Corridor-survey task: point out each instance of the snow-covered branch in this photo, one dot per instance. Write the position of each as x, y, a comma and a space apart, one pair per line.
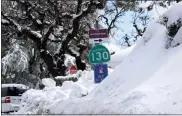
17, 60
13, 22
76, 19
34, 35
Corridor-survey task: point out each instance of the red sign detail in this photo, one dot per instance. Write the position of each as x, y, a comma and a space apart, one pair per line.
101, 70
73, 69
98, 33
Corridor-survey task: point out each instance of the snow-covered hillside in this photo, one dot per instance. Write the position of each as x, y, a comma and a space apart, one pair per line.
119, 56
119, 53
148, 80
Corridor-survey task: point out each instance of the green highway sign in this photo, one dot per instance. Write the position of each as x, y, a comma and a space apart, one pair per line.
99, 54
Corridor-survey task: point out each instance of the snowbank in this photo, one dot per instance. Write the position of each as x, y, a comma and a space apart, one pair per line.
40, 101
112, 47
47, 82
119, 56
148, 81
162, 93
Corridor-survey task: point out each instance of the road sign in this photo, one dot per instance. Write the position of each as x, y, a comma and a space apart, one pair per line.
98, 40
98, 33
98, 36
73, 69
100, 72
99, 54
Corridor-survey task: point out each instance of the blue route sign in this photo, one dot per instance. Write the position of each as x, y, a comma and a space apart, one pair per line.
100, 72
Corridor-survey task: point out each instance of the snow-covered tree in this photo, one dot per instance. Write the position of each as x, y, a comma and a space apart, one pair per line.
37, 34
140, 18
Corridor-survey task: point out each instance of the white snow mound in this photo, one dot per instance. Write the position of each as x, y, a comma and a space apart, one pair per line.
48, 82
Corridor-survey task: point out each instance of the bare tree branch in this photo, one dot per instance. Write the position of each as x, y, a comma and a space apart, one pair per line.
118, 14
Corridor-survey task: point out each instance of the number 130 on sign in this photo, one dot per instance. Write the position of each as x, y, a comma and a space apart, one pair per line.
99, 54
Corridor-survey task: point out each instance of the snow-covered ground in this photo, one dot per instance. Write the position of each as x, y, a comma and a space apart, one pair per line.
38, 101
147, 81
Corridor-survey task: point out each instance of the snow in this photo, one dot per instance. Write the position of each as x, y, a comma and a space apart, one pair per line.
119, 56
157, 9
66, 13
173, 14
69, 75
52, 37
4, 21
119, 53
147, 81
77, 90
70, 31
39, 22
61, 28
85, 82
36, 33
85, 2
58, 48
75, 52
14, 22
38, 98
85, 79
163, 88
112, 47
57, 30
41, 98
14, 85
47, 82
69, 60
